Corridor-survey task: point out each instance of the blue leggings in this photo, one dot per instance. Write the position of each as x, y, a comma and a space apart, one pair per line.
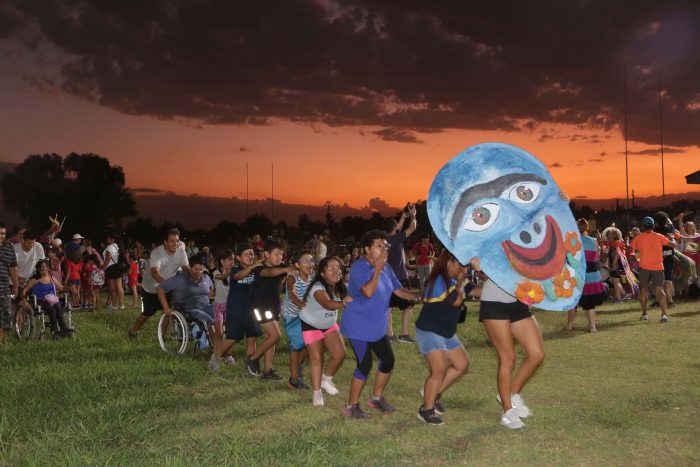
363, 353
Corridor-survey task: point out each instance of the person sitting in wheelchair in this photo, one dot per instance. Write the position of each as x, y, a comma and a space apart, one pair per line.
45, 288
190, 295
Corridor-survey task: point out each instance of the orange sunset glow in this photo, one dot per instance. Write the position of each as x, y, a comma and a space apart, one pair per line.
332, 139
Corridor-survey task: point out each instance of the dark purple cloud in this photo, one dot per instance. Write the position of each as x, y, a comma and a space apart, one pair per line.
408, 65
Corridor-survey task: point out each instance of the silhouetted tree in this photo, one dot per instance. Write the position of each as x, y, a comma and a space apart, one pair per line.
84, 187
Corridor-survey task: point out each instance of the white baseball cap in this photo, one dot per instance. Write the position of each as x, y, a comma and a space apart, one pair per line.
78, 237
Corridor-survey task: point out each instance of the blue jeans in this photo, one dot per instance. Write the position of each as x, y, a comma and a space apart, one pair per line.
205, 314
428, 341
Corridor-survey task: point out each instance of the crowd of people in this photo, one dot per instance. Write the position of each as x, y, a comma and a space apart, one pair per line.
242, 294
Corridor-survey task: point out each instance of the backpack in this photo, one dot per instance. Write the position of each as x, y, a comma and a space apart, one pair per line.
97, 277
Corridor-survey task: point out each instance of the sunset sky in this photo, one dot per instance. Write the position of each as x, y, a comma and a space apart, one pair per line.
351, 100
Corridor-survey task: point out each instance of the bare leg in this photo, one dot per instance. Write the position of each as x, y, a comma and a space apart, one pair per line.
590, 314
272, 336
336, 347
406, 319
527, 333
380, 382
643, 299
296, 359
570, 319
316, 358
661, 298
437, 360
355, 390
458, 364
669, 291
499, 332
138, 323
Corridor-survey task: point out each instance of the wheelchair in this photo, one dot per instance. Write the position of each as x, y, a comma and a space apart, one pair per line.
180, 330
33, 321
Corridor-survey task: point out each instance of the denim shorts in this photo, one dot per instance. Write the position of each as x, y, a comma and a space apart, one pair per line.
428, 341
292, 326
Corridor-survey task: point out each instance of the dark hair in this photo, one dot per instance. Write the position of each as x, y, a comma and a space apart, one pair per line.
340, 287
241, 247
296, 257
2, 225
37, 273
439, 270
170, 232
425, 235
390, 224
29, 235
93, 257
661, 219
198, 259
372, 235
274, 243
220, 260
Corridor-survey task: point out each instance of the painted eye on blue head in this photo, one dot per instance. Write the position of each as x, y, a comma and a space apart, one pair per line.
482, 217
524, 193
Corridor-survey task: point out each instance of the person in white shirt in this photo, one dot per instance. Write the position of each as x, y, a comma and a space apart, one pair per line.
165, 261
28, 252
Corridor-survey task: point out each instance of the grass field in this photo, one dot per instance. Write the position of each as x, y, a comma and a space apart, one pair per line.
626, 395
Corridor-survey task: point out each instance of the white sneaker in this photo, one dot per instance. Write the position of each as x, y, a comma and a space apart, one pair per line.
318, 399
328, 386
517, 403
511, 420
664, 319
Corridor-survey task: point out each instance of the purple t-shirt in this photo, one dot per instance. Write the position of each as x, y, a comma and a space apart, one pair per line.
365, 318
396, 256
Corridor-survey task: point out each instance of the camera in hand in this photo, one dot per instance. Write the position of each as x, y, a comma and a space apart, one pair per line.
408, 207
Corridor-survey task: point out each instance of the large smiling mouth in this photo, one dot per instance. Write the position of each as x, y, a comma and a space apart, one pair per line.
541, 262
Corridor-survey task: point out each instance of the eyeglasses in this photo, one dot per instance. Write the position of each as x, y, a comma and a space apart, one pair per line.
307, 261
382, 246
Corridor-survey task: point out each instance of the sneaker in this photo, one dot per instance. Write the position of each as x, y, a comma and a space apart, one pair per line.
429, 417
122, 307
392, 337
406, 339
318, 399
252, 366
511, 420
522, 410
517, 403
296, 383
230, 360
644, 317
328, 386
439, 408
664, 319
214, 363
111, 307
380, 404
270, 375
354, 411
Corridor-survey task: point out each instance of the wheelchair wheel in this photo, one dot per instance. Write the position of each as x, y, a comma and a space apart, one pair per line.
173, 333
23, 323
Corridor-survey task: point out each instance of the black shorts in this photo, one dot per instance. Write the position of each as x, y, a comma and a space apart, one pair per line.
149, 303
514, 311
113, 272
669, 264
263, 316
398, 302
239, 325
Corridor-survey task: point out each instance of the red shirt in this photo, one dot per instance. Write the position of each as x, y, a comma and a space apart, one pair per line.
73, 270
423, 253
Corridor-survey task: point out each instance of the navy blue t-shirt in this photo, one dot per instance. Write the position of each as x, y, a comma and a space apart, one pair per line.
438, 314
238, 300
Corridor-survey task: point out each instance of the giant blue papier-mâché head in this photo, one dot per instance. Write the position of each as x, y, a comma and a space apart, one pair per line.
499, 203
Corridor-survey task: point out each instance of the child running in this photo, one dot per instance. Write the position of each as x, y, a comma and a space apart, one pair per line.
133, 277
325, 296
265, 301
297, 285
221, 289
436, 328
238, 318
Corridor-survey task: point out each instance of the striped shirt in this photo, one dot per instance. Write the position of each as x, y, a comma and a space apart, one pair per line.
8, 260
289, 309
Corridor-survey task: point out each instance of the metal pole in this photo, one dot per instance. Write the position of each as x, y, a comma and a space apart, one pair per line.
661, 136
247, 213
273, 196
627, 170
